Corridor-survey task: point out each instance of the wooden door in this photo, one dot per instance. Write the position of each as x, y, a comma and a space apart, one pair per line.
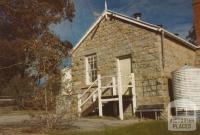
124, 70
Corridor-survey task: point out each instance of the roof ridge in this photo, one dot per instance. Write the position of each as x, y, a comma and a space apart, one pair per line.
139, 22
131, 18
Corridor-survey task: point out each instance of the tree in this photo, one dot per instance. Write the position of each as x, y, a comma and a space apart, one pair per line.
23, 19
44, 58
11, 61
46, 53
22, 22
192, 36
27, 48
21, 89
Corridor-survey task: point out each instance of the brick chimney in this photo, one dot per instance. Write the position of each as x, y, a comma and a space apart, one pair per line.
196, 9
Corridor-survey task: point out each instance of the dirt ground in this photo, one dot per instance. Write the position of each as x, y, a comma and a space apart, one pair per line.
19, 124
16, 123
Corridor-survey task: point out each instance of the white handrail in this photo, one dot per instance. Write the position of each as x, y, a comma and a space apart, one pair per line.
80, 104
116, 85
88, 89
102, 86
89, 97
93, 94
106, 86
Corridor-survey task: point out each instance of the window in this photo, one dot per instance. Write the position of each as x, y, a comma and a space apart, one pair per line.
91, 68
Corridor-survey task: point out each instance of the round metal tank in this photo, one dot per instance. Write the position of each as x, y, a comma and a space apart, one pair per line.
186, 85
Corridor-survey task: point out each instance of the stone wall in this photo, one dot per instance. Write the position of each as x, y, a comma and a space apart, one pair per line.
197, 62
176, 55
113, 38
152, 63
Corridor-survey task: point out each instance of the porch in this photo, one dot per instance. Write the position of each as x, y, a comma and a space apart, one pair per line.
119, 87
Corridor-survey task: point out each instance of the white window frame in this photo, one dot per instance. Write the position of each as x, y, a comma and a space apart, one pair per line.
88, 77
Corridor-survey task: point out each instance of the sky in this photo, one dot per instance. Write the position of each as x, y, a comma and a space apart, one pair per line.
174, 15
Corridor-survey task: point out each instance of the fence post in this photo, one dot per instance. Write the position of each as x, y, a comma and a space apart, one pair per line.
121, 115
133, 93
114, 86
99, 96
79, 105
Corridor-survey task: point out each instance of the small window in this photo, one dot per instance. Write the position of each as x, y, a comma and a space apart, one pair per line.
91, 68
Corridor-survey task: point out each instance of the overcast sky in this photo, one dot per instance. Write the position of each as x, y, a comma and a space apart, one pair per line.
175, 15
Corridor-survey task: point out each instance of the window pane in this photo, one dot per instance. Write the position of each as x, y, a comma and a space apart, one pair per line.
92, 68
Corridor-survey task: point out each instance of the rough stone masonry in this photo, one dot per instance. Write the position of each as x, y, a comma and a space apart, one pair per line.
153, 59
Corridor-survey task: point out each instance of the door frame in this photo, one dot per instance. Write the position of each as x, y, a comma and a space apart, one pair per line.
121, 58
119, 77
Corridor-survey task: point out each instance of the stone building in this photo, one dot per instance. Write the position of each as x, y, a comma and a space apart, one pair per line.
116, 46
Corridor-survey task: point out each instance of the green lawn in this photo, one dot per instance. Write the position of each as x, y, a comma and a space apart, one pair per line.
144, 128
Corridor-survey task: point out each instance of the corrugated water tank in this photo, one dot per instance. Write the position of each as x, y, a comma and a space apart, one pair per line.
186, 85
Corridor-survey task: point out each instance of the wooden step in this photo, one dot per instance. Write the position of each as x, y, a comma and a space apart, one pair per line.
116, 96
110, 99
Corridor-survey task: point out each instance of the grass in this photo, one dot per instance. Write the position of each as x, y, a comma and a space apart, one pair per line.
143, 128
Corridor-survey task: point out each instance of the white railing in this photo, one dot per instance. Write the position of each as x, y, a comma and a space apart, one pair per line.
91, 95
116, 87
100, 87
84, 93
111, 84
80, 104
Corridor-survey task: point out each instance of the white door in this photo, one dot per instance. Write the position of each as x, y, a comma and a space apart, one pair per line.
124, 69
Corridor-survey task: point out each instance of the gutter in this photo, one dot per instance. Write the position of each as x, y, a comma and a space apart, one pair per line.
188, 44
